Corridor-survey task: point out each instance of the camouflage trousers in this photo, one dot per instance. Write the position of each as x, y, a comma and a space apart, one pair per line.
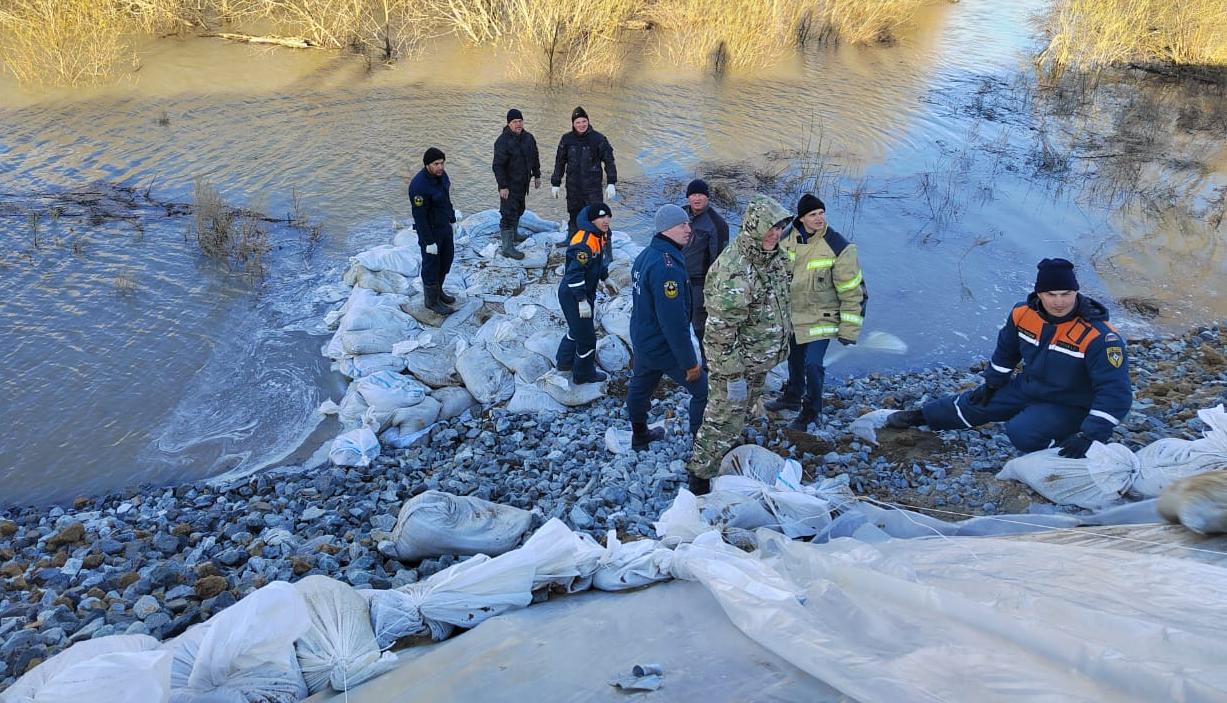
722, 422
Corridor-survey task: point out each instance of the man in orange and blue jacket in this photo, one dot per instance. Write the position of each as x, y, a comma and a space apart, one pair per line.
587, 265
1074, 387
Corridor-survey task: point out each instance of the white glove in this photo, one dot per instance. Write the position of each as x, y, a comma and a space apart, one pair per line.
585, 309
432, 249
738, 391
459, 215
554, 192
610, 191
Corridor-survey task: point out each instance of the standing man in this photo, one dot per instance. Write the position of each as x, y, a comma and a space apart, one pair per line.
433, 215
1074, 386
660, 326
828, 302
582, 153
587, 265
747, 332
709, 235
516, 161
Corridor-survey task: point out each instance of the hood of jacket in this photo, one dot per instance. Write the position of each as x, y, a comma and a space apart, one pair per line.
762, 212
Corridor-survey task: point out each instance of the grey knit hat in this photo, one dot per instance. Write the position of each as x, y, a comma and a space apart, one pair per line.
670, 216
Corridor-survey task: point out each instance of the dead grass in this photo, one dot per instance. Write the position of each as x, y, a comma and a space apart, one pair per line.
237, 238
61, 42
1094, 34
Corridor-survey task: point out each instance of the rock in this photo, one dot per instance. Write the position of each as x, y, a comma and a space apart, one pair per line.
8, 528
145, 606
580, 518
312, 513
167, 544
67, 536
210, 586
167, 574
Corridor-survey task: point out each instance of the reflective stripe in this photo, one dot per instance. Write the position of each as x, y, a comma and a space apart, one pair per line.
576, 285
1063, 350
585, 356
959, 410
823, 329
1000, 369
792, 255
1025, 338
819, 264
845, 287
852, 318
1105, 416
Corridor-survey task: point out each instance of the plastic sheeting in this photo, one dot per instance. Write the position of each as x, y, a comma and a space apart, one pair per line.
115, 669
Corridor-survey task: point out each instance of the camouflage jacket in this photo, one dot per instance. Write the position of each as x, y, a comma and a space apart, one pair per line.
747, 298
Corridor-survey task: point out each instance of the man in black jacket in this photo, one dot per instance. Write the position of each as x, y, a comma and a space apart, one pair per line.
516, 161
581, 154
709, 235
433, 216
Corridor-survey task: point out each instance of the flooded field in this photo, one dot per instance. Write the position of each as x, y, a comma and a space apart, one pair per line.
130, 357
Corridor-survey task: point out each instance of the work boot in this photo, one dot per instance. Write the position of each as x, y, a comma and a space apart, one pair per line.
642, 436
802, 421
517, 235
784, 402
430, 295
698, 486
509, 248
585, 371
904, 419
447, 299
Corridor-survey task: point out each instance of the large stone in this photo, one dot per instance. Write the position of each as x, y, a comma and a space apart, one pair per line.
210, 586
145, 606
67, 536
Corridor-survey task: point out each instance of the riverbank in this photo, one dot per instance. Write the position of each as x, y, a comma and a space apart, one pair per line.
159, 560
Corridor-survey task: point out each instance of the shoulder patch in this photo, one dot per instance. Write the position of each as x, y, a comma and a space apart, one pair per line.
670, 289
1116, 356
419, 201
668, 259
1111, 337
582, 257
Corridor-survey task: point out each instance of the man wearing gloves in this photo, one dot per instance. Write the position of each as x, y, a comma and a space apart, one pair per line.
747, 331
660, 326
516, 162
587, 265
433, 215
828, 302
582, 153
1073, 388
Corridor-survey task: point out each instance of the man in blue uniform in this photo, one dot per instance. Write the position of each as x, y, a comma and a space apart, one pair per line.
433, 215
1074, 386
660, 326
587, 265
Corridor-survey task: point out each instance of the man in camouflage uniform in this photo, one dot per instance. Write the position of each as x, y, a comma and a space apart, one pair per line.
746, 333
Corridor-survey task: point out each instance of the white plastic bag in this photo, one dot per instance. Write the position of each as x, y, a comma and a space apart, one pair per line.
436, 523
388, 390
545, 343
560, 388
486, 379
453, 401
618, 440
631, 564
359, 276
407, 261
354, 448
681, 522
866, 426
366, 364
612, 355
1167, 460
114, 669
339, 647
1097, 481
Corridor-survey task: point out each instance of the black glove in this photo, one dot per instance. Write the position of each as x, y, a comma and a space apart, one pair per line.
846, 342
982, 395
1075, 446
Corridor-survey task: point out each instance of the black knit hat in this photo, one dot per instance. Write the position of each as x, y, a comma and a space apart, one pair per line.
808, 204
596, 210
514, 114
1055, 274
578, 113
699, 186
432, 155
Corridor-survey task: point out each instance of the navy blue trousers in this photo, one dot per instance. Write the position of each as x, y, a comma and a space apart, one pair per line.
806, 374
577, 350
643, 383
1030, 424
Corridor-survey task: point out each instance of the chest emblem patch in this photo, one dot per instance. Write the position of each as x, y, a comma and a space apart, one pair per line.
670, 289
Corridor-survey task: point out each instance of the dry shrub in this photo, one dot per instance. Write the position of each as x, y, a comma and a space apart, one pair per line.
1092, 34
61, 42
867, 21
565, 40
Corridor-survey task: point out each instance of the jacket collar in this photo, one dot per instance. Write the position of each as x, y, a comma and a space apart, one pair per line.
663, 243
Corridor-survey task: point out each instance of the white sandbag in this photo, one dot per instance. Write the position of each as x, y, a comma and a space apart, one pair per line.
364, 365
496, 284
800, 510
724, 510
753, 461
540, 295
396, 614
354, 448
436, 523
431, 357
406, 237
453, 401
631, 564
393, 437
618, 439
352, 408
417, 417
555, 552
479, 225
615, 318
866, 426
532, 369
559, 387
486, 379
328, 407
529, 399
407, 261
624, 247
620, 276
1097, 481
545, 342
612, 355
339, 647
1167, 460
1197, 502
359, 276
54, 680
468, 593
245, 653
681, 523
531, 222
498, 328
515, 357
388, 390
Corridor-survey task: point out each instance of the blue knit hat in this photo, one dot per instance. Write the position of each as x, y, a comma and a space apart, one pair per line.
1055, 274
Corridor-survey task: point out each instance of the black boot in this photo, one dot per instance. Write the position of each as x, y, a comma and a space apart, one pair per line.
516, 235
698, 486
447, 299
509, 248
802, 421
430, 295
784, 402
585, 370
905, 419
642, 435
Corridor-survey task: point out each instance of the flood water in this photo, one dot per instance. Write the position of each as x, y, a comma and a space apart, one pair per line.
128, 357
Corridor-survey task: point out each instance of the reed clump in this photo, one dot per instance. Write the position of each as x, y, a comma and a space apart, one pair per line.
1096, 34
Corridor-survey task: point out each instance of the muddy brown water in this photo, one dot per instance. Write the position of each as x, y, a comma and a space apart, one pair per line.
130, 358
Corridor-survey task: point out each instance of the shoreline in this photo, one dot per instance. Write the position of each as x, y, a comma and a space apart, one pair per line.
155, 561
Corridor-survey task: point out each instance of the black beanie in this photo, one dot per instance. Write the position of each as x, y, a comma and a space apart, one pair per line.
514, 114
1055, 274
596, 210
578, 113
809, 203
432, 155
698, 185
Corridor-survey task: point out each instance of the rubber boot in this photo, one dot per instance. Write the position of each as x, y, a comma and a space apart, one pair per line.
447, 299
904, 419
698, 486
432, 301
784, 402
516, 235
642, 436
509, 248
802, 421
585, 370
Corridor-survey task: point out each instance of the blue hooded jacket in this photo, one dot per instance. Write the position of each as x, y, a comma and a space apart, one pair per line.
587, 260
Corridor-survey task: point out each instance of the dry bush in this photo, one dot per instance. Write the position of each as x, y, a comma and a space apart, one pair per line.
1093, 34
567, 40
237, 238
866, 21
61, 42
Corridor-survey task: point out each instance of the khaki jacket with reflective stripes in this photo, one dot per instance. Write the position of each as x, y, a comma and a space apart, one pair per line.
828, 288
